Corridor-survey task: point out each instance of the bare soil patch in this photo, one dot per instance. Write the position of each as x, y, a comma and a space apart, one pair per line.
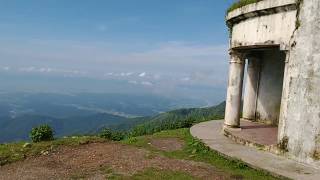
167, 144
90, 161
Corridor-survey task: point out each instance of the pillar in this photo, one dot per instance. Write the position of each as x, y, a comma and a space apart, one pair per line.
234, 90
251, 88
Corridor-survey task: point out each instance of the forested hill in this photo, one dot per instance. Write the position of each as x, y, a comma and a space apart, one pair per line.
180, 118
18, 128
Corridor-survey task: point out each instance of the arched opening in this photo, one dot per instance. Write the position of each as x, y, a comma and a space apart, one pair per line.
262, 94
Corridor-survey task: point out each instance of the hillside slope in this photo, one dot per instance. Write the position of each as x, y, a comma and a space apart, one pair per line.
18, 128
180, 118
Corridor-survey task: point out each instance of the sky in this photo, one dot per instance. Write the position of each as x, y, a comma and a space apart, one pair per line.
146, 42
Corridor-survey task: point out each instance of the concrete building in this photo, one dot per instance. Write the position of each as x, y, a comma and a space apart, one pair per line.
275, 44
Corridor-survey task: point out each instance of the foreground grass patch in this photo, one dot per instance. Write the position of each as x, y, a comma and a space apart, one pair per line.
150, 173
157, 174
18, 151
197, 151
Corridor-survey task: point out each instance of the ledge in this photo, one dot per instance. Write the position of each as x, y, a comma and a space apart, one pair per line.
265, 7
254, 134
211, 134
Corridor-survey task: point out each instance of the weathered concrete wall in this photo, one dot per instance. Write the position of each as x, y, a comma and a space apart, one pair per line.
271, 23
264, 30
270, 86
268, 22
300, 111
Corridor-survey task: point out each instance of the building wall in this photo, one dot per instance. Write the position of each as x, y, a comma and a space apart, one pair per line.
270, 86
264, 30
300, 112
297, 32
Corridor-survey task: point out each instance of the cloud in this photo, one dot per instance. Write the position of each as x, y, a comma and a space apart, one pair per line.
50, 70
166, 61
146, 83
5, 68
184, 49
142, 74
185, 79
126, 73
108, 74
27, 69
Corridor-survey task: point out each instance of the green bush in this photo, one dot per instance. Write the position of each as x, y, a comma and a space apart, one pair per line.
41, 133
112, 135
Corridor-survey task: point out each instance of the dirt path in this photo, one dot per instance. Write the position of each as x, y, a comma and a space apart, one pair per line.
91, 161
167, 144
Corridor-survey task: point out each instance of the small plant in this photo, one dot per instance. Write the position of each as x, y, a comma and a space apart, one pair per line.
41, 133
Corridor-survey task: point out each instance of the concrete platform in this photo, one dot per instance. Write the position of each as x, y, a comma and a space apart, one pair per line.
211, 134
255, 134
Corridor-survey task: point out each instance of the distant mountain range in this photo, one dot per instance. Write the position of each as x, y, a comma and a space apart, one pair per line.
88, 113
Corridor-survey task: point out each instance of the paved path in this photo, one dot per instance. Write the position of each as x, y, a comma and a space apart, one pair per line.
210, 133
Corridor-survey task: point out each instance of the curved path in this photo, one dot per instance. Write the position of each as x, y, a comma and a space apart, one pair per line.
210, 134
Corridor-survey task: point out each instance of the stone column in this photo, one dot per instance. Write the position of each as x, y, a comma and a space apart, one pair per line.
234, 91
251, 88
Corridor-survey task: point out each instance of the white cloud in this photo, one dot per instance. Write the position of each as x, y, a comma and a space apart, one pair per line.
108, 74
45, 70
126, 74
186, 79
146, 83
142, 74
183, 49
51, 70
172, 60
6, 68
27, 69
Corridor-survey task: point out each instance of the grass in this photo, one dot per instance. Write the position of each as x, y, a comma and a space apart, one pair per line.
157, 174
241, 3
193, 150
148, 174
16, 151
197, 151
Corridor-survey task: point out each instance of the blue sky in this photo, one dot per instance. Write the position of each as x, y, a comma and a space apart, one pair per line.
116, 20
176, 41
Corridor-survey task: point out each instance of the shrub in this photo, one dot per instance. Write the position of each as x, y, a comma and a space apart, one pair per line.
112, 135
41, 133
106, 133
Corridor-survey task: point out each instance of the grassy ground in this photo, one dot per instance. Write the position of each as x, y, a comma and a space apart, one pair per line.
17, 151
150, 173
197, 151
193, 150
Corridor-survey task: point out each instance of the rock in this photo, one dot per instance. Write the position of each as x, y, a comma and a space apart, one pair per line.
44, 152
27, 145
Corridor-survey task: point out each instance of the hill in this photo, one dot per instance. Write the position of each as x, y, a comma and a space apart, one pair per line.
18, 128
180, 118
